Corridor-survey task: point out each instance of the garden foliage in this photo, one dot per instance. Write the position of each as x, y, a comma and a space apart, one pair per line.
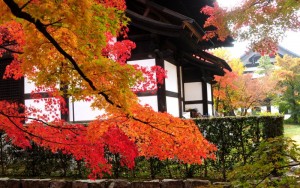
268, 165
237, 138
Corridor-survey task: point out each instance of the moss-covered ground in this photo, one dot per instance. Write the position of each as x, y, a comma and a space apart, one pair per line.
292, 131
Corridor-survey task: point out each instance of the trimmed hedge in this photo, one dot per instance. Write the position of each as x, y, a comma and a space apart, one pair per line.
236, 138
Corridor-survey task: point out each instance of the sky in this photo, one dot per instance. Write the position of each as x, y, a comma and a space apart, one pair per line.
291, 41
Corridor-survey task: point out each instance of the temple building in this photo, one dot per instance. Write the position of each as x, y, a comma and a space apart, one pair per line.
251, 63
167, 33
170, 34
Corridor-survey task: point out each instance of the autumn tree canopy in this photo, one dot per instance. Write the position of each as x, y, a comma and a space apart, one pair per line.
287, 72
236, 90
67, 49
225, 89
262, 22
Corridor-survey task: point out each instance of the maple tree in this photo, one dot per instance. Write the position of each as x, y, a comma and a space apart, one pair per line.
68, 49
253, 92
236, 90
262, 22
225, 89
287, 73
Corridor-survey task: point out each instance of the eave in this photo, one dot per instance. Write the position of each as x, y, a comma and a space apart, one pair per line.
184, 32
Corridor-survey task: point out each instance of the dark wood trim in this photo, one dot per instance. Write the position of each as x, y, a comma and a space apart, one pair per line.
22, 89
193, 102
161, 90
212, 98
42, 94
142, 56
170, 60
204, 98
146, 93
183, 90
196, 102
172, 94
65, 116
179, 91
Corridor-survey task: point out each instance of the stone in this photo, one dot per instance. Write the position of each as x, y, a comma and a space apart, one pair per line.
60, 184
79, 184
171, 183
35, 183
145, 184
3, 182
14, 183
193, 183
223, 184
118, 183
98, 183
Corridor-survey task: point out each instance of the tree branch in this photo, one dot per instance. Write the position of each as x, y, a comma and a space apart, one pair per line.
31, 134
22, 7
58, 21
17, 11
41, 121
10, 50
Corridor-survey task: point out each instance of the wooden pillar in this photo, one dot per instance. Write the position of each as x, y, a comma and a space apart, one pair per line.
161, 90
205, 102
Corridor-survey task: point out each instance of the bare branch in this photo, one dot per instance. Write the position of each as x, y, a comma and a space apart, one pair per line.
58, 21
31, 134
10, 50
22, 7
43, 122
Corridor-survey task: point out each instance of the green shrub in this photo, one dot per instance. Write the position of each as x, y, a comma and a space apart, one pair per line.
237, 138
268, 165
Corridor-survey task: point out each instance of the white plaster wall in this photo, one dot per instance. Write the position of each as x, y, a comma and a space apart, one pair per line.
199, 107
171, 81
147, 63
263, 108
210, 110
150, 100
28, 86
274, 109
209, 94
143, 62
40, 105
82, 111
173, 106
193, 91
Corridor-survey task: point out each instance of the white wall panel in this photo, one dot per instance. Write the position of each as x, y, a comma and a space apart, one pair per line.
41, 106
171, 80
263, 108
28, 86
210, 110
193, 91
173, 106
274, 109
199, 107
82, 111
147, 63
209, 94
150, 100
143, 62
